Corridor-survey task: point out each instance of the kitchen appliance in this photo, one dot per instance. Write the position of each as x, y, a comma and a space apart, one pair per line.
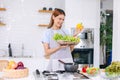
83, 56
86, 38
45, 75
59, 75
83, 52
69, 67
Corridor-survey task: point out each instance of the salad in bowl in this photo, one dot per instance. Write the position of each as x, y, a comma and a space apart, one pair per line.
93, 71
66, 39
112, 71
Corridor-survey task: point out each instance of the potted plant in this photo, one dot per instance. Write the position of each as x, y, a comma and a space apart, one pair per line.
106, 35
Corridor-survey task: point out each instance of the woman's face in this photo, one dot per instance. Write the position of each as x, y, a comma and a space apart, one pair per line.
58, 20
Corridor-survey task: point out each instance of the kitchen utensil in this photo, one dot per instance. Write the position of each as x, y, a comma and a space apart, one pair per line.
37, 72
50, 75
37, 75
44, 8
81, 75
50, 9
69, 67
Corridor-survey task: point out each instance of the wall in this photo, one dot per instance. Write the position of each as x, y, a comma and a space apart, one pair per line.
116, 31
22, 18
87, 12
107, 4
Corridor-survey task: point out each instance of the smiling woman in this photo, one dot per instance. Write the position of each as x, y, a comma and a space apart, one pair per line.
51, 47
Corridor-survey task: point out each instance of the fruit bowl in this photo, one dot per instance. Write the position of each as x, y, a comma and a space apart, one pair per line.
111, 77
3, 64
12, 73
113, 70
15, 70
63, 42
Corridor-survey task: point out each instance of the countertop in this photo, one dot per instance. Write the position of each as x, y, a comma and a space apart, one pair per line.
37, 63
31, 63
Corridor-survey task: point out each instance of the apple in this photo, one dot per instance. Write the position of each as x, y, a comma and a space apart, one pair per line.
20, 64
20, 67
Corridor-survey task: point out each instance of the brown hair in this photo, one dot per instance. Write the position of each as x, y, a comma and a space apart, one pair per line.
55, 13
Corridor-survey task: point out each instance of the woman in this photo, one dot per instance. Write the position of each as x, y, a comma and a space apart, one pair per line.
51, 47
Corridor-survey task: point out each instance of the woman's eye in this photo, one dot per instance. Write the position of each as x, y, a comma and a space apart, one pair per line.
61, 19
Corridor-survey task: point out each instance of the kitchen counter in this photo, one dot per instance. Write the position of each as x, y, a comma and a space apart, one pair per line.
31, 63
37, 63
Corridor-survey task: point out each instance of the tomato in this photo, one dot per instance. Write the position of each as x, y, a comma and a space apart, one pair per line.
84, 69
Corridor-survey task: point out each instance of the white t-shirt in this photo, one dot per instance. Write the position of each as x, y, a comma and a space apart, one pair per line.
61, 54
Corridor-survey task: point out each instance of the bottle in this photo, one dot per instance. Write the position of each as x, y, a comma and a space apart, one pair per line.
10, 50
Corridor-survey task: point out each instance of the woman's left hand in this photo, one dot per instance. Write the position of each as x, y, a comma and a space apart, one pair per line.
77, 31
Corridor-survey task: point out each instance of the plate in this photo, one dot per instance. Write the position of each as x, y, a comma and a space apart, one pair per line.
62, 42
105, 76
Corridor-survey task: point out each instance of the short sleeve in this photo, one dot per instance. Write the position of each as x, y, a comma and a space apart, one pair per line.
46, 37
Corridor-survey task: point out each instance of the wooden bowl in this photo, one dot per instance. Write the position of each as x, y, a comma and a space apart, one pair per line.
18, 73
3, 64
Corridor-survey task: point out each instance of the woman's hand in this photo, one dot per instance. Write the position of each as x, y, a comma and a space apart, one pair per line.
78, 29
63, 46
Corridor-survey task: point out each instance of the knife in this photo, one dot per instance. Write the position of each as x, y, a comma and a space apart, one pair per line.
82, 74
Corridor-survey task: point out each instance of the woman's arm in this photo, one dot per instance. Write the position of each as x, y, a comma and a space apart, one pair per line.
76, 32
49, 51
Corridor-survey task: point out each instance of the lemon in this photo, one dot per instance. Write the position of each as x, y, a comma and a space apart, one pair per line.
79, 26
